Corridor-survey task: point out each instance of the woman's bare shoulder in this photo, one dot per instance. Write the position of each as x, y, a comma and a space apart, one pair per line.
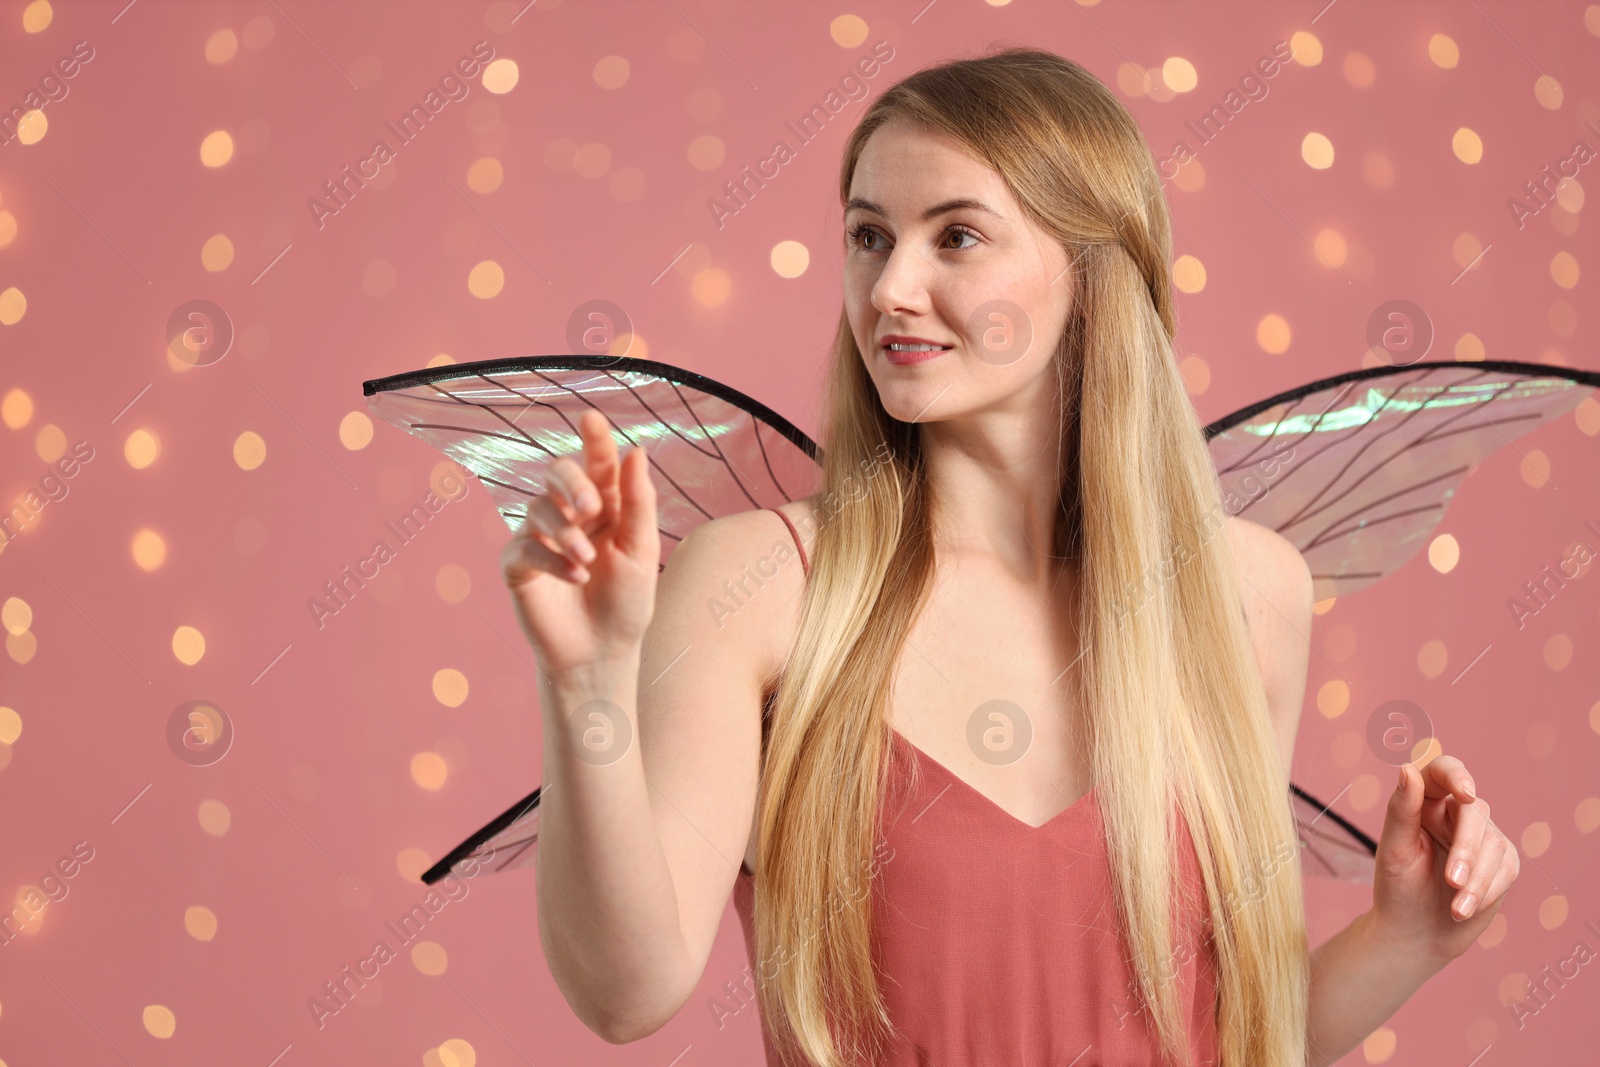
743, 573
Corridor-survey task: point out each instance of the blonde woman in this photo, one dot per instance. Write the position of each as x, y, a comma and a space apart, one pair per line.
999, 798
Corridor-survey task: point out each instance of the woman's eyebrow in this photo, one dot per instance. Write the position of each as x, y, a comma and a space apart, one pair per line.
932, 213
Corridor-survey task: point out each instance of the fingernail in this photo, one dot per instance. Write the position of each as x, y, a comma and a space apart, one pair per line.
1468, 902
587, 500
1402, 784
1458, 873
586, 551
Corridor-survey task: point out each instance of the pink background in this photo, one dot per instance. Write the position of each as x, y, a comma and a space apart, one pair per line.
112, 208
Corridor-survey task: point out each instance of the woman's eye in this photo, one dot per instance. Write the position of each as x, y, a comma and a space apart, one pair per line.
959, 231
860, 233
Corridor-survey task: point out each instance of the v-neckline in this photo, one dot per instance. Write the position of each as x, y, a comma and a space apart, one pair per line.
1076, 805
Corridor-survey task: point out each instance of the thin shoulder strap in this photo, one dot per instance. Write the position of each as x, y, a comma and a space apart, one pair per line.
805, 564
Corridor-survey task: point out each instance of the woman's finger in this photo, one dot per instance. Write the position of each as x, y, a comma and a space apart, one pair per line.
1505, 874
1486, 864
1447, 774
1472, 824
599, 453
547, 516
566, 479
525, 555
637, 532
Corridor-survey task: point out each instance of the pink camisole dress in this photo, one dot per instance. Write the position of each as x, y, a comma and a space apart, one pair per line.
995, 940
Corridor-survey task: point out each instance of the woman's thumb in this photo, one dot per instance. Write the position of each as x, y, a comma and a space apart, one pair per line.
1403, 823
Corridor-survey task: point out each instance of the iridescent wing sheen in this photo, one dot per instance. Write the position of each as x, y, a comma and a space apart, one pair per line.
1357, 470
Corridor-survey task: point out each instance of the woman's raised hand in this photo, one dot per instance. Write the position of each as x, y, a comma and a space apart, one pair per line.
582, 569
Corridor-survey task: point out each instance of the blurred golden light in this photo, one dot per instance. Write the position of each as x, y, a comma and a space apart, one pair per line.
16, 615
215, 818
32, 127
706, 152
1535, 468
1359, 70
1444, 553
216, 253
50, 443
450, 687
1179, 74
1443, 51
486, 280
201, 922
221, 46
1548, 92
1273, 334
141, 449
429, 957
249, 450
1467, 145
189, 645
13, 305
1432, 658
355, 430
1305, 47
611, 72
411, 862
790, 259
16, 409
1317, 151
216, 149
428, 770
711, 287
159, 1020
10, 726
36, 16
848, 31
1196, 375
485, 175
149, 550
500, 76
1188, 274
1564, 270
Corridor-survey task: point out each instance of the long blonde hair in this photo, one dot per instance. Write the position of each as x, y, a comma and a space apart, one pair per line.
1176, 710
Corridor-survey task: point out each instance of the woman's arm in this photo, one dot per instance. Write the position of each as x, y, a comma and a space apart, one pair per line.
1359, 978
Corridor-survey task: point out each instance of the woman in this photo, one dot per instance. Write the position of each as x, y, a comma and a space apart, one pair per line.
1024, 564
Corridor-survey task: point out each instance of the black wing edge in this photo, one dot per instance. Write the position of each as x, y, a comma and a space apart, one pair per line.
471, 844
1354, 831
1533, 370
675, 375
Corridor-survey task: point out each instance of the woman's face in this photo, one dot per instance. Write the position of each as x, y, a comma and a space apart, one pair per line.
937, 250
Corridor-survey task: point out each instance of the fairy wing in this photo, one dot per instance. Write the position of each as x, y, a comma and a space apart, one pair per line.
713, 451
1357, 470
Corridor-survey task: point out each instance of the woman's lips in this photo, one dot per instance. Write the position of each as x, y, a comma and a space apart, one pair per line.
904, 359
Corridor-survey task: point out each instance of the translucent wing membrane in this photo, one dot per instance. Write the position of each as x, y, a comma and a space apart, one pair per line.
1330, 847
713, 451
1357, 470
